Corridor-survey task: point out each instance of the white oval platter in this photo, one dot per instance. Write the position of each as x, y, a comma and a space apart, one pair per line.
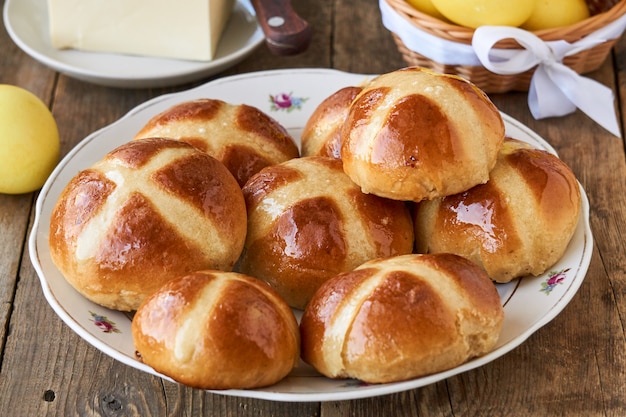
289, 96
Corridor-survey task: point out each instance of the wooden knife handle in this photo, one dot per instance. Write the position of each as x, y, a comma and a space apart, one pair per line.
286, 33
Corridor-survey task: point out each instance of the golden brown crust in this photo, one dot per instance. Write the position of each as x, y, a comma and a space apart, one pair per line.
518, 223
307, 221
400, 318
321, 135
148, 211
414, 134
240, 136
217, 330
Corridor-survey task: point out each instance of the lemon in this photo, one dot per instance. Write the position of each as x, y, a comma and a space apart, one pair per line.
475, 13
29, 141
555, 13
426, 6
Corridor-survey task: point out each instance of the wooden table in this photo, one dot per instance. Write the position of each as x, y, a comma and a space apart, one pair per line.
575, 365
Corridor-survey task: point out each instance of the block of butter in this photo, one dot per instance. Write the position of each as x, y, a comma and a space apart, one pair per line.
189, 29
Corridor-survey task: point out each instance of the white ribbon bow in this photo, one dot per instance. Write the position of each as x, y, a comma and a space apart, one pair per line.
555, 89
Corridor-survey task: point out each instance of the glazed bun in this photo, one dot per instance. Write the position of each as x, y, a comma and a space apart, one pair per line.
307, 221
321, 135
414, 134
400, 318
242, 137
518, 223
217, 330
148, 211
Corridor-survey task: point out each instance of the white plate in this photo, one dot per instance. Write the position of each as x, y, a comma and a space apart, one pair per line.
26, 22
528, 303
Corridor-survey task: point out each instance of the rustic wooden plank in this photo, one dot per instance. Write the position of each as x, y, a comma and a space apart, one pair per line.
431, 400
607, 178
13, 226
361, 44
16, 68
574, 363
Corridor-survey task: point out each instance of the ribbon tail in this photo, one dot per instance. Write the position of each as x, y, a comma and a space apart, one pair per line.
591, 97
545, 98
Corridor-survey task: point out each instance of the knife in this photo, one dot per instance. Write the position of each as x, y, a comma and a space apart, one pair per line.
286, 33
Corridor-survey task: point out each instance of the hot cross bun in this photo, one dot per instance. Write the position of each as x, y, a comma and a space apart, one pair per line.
400, 318
518, 223
148, 211
242, 137
307, 221
414, 134
217, 330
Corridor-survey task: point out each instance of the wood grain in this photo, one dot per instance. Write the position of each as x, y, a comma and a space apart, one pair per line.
575, 365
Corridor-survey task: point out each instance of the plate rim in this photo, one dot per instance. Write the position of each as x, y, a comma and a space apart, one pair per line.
377, 390
193, 69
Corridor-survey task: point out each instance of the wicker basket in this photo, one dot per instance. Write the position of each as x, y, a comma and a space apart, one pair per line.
603, 12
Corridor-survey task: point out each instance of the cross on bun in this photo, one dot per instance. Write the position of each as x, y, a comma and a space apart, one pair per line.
242, 137
307, 221
414, 134
321, 135
217, 330
518, 223
148, 211
400, 318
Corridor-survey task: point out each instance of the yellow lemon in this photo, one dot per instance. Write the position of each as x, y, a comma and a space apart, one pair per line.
475, 13
555, 13
29, 141
426, 6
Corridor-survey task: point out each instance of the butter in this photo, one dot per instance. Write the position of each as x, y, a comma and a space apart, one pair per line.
187, 30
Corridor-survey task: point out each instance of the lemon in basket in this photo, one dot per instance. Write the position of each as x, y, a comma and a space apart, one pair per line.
426, 6
555, 13
29, 141
474, 13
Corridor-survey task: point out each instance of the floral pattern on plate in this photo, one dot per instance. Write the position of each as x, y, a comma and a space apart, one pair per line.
553, 279
103, 323
286, 102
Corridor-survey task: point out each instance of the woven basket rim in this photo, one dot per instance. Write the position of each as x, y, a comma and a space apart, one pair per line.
462, 34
